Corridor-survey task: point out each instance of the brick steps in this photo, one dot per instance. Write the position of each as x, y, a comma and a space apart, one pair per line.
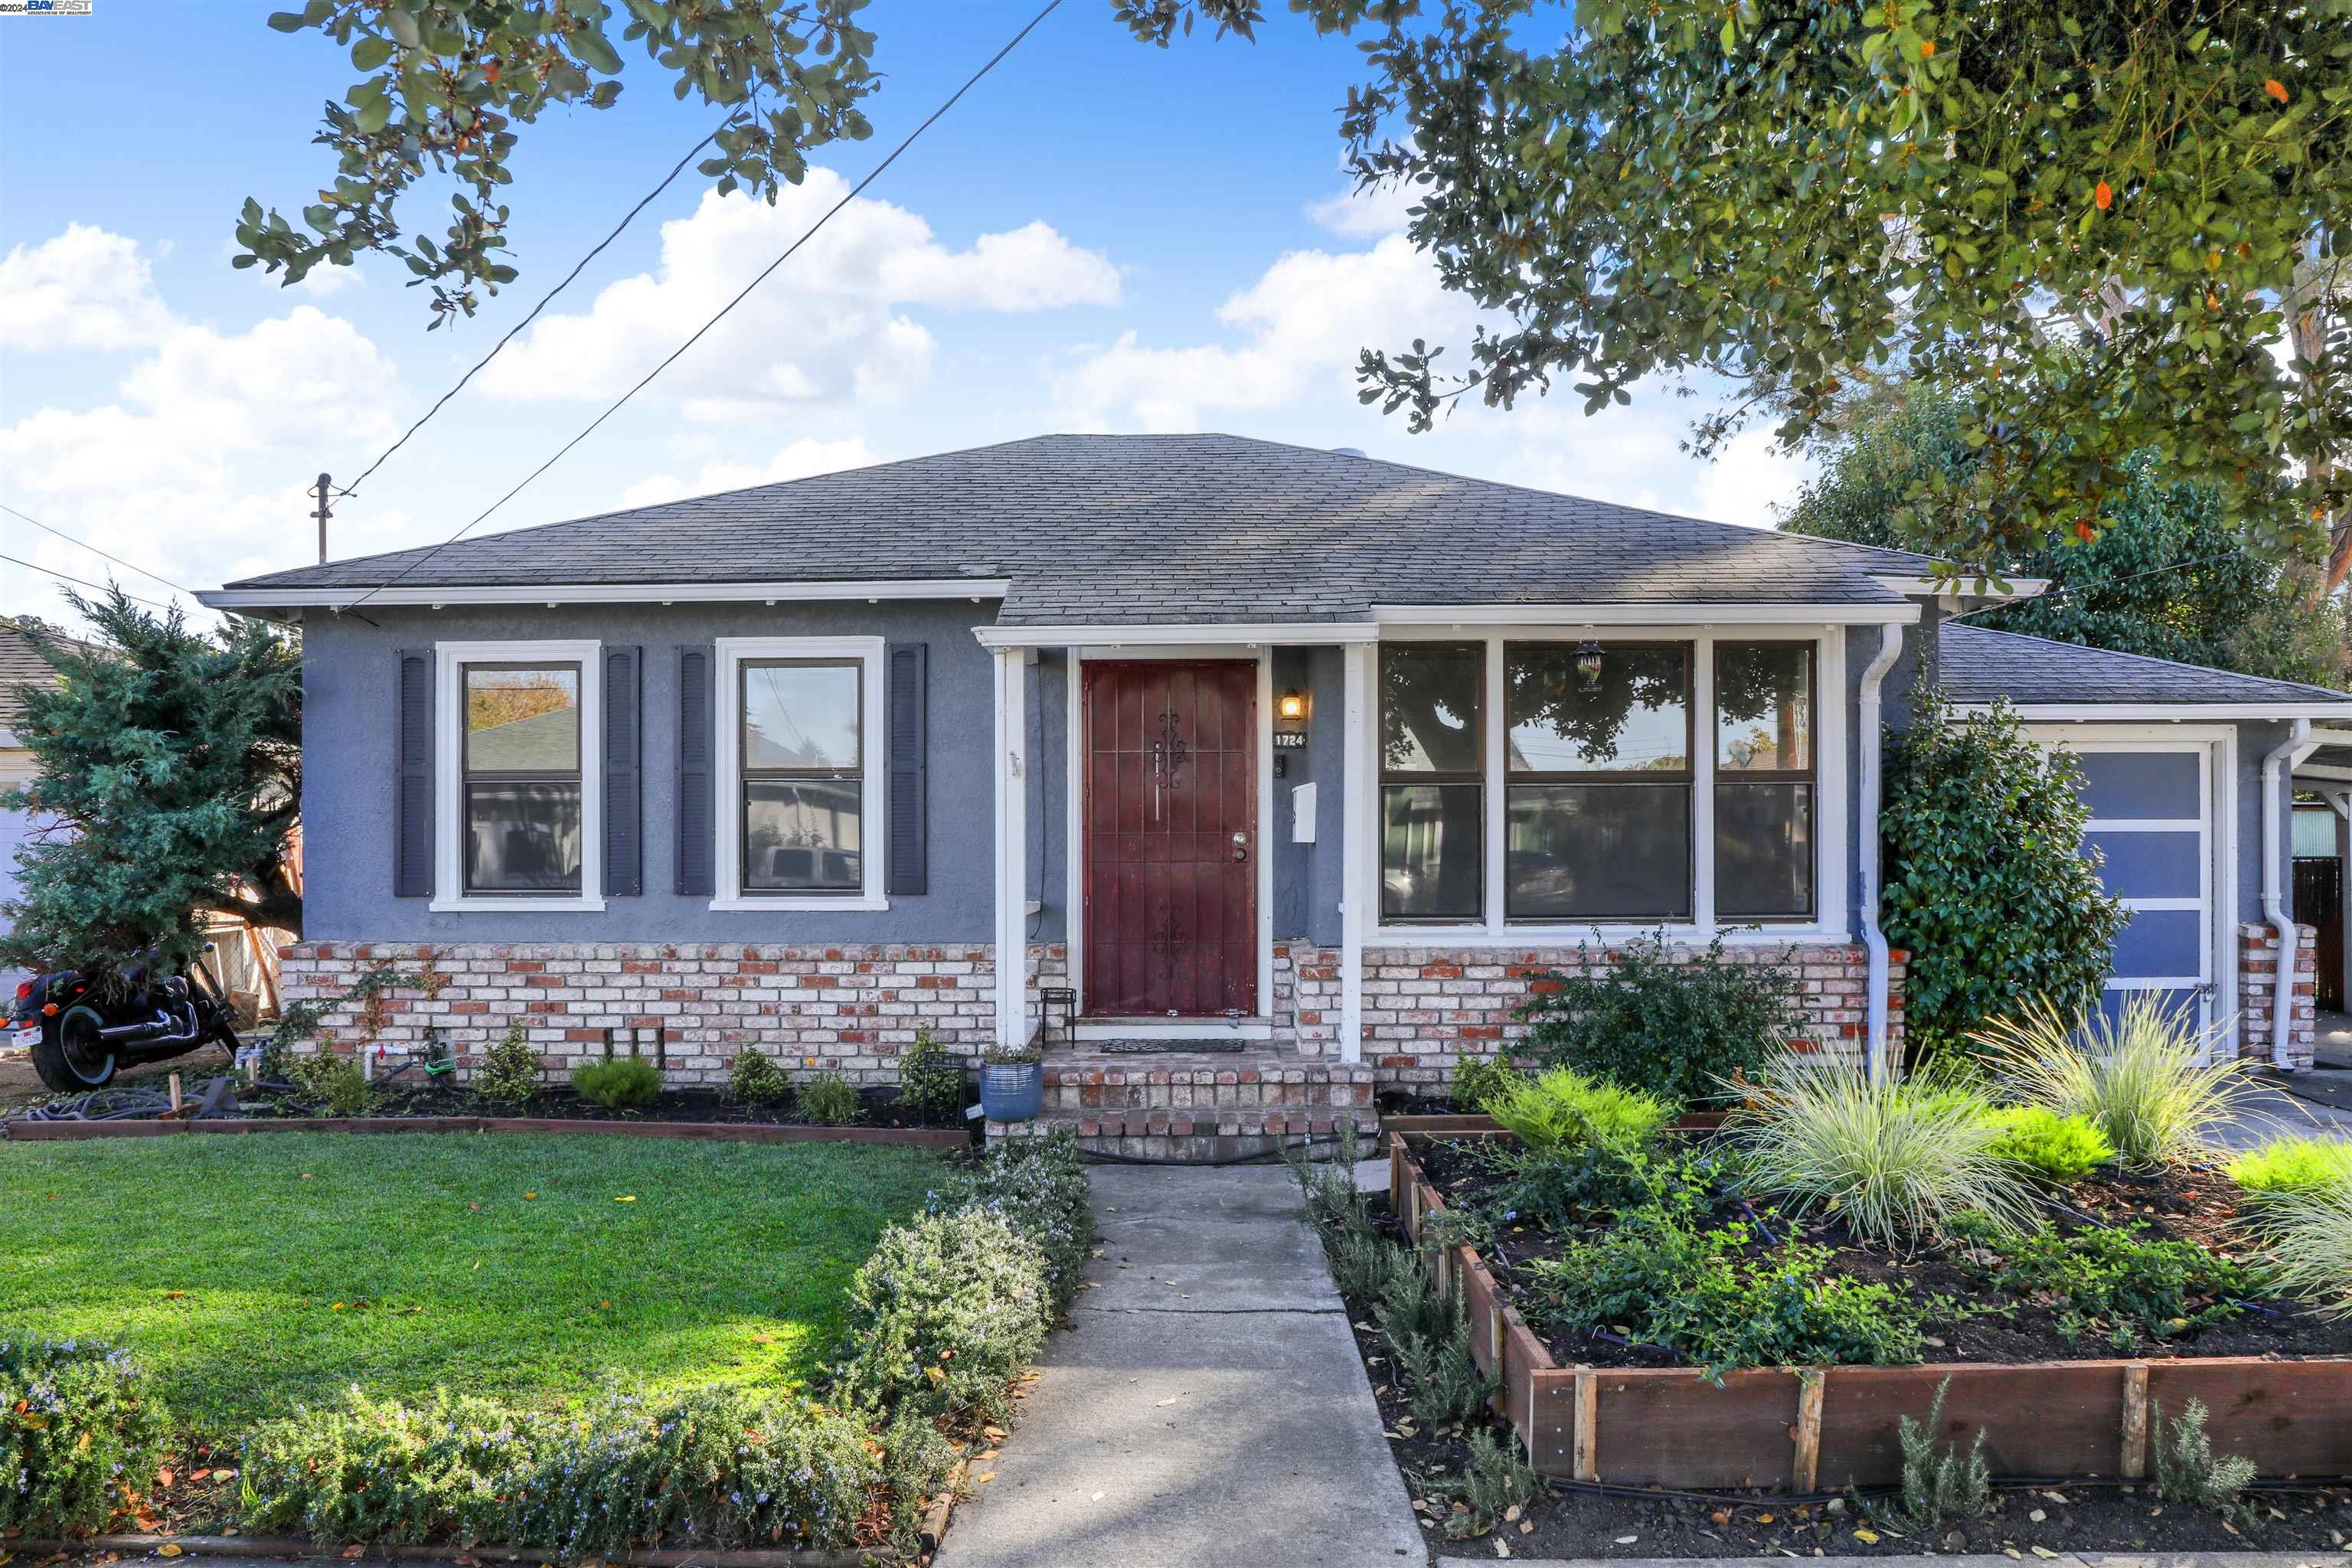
1199, 1105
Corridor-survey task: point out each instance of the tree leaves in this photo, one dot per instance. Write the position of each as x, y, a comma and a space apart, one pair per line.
448, 82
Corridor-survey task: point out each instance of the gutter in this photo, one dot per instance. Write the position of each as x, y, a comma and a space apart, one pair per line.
1873, 747
2276, 763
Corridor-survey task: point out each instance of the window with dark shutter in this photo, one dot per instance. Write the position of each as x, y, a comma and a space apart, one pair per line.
909, 779
623, 773
697, 847
412, 854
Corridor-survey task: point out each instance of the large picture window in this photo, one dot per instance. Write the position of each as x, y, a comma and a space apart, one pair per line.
1764, 781
1598, 765
1432, 804
802, 775
522, 781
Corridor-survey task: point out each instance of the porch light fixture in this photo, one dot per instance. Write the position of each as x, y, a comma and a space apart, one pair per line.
1588, 665
1291, 706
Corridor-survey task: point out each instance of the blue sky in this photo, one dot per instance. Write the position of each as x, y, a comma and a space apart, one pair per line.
1101, 236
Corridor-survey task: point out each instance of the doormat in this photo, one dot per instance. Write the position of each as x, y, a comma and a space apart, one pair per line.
1172, 1048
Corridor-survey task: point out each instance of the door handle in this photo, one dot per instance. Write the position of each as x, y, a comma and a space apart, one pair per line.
1240, 845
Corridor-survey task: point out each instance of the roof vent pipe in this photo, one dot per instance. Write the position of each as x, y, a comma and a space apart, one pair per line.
1874, 747
2276, 763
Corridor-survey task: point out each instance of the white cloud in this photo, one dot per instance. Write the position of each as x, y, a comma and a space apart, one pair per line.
86, 289
197, 469
828, 326
1365, 214
797, 461
1307, 319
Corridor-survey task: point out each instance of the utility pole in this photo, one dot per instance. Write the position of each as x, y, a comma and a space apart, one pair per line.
322, 515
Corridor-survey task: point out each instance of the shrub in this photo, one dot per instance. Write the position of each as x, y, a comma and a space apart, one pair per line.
2309, 1232
1896, 1158
829, 1099
1985, 883
1566, 1189
1491, 1486
1039, 1186
2061, 1148
1428, 1337
725, 1468
621, 1082
2294, 1165
2148, 1078
945, 1313
1477, 1079
338, 1084
931, 1079
1563, 1108
1937, 1483
2186, 1469
1335, 1205
754, 1078
1692, 1292
1670, 1027
80, 1426
2162, 1289
508, 1073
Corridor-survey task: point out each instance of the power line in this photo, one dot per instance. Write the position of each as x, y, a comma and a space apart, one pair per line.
511, 332
855, 191
94, 550
86, 582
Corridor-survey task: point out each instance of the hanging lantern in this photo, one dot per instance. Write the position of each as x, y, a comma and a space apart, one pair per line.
1587, 666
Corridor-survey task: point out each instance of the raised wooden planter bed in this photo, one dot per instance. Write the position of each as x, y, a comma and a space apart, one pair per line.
22, 1131
1807, 1429
1475, 1125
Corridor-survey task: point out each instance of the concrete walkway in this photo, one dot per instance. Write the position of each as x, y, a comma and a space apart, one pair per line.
1209, 1407
2313, 1559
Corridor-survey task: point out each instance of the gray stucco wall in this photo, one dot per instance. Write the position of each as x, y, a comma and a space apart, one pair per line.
351, 758
1307, 877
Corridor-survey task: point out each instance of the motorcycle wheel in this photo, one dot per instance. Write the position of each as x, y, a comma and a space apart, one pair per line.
70, 1056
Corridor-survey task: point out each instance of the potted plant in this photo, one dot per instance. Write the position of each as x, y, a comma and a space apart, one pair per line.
1011, 1083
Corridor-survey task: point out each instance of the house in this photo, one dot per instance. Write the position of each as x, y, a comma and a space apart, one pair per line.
1297, 753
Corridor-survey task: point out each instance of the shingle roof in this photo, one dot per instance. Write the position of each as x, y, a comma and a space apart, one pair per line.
1128, 529
21, 663
1979, 665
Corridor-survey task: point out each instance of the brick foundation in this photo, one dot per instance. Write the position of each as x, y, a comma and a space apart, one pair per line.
2258, 956
1427, 1007
848, 1008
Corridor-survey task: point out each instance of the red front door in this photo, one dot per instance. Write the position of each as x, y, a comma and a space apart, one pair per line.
1171, 838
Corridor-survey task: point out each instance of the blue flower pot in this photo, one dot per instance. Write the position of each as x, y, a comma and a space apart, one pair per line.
1012, 1091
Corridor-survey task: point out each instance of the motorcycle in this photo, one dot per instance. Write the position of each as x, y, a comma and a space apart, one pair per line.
81, 1034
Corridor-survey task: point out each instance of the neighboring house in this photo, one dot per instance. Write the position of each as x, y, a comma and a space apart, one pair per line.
1236, 742
20, 664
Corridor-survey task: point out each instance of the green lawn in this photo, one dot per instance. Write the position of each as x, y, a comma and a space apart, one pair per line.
251, 1272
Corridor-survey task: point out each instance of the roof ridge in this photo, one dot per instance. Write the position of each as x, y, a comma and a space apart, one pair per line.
2301, 686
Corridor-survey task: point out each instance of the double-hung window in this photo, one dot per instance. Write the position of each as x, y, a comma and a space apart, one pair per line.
802, 777
1599, 768
520, 803
1764, 783
801, 774
1432, 801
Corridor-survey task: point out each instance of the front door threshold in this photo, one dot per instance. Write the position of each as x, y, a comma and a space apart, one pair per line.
1163, 1028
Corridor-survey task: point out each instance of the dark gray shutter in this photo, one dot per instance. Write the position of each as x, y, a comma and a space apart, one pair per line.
624, 859
909, 768
696, 848
412, 850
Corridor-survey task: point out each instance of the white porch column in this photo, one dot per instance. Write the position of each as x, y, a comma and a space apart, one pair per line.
1012, 847
1358, 848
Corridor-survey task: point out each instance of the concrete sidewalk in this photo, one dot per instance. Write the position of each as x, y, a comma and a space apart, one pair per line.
1209, 1407
2313, 1559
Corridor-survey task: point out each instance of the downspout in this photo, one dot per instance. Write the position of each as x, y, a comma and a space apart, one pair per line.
1873, 940
2290, 939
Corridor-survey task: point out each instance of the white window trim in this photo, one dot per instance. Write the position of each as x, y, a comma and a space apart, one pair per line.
1831, 916
873, 828
449, 775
